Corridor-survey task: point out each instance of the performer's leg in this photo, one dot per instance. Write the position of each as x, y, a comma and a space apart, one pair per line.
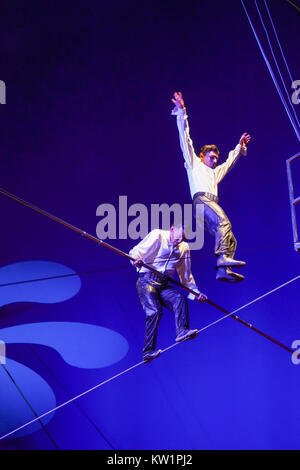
151, 304
217, 224
175, 301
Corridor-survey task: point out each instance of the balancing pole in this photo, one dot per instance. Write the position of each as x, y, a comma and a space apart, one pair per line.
130, 258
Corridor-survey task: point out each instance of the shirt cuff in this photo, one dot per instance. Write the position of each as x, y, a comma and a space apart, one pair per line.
178, 111
192, 296
134, 255
241, 150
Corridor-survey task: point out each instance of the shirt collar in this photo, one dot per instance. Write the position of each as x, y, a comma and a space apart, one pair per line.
170, 244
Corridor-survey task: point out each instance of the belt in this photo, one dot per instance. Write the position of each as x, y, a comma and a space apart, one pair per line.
156, 277
210, 196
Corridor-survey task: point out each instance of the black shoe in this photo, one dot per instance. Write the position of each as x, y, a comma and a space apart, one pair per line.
149, 356
224, 261
186, 334
226, 275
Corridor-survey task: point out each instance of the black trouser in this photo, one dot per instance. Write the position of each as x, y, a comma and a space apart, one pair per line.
155, 294
217, 224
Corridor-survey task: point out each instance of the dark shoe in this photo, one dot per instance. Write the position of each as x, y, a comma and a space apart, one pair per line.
224, 261
226, 275
187, 334
149, 356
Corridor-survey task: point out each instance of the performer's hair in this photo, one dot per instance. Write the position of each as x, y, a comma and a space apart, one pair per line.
209, 148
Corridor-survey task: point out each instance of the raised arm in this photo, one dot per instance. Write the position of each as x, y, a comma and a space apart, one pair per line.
240, 149
186, 142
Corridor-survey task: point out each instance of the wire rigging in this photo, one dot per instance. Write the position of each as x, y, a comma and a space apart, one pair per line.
293, 4
81, 409
278, 41
37, 418
294, 125
274, 57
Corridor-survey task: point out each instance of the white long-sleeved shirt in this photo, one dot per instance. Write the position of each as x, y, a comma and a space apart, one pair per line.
201, 177
157, 250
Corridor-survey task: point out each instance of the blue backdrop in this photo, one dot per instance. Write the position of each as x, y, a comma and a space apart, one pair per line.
87, 119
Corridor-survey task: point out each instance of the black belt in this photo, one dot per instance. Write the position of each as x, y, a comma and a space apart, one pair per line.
210, 196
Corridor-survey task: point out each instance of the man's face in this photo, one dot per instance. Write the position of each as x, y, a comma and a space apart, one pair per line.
210, 159
176, 235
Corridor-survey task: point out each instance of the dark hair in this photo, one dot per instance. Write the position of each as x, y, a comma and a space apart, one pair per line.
209, 148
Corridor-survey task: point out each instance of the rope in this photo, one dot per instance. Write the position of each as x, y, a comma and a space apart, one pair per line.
278, 41
84, 413
271, 48
293, 4
140, 363
61, 276
272, 74
71, 400
37, 418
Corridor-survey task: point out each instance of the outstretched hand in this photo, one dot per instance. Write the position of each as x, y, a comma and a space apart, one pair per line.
245, 139
178, 100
